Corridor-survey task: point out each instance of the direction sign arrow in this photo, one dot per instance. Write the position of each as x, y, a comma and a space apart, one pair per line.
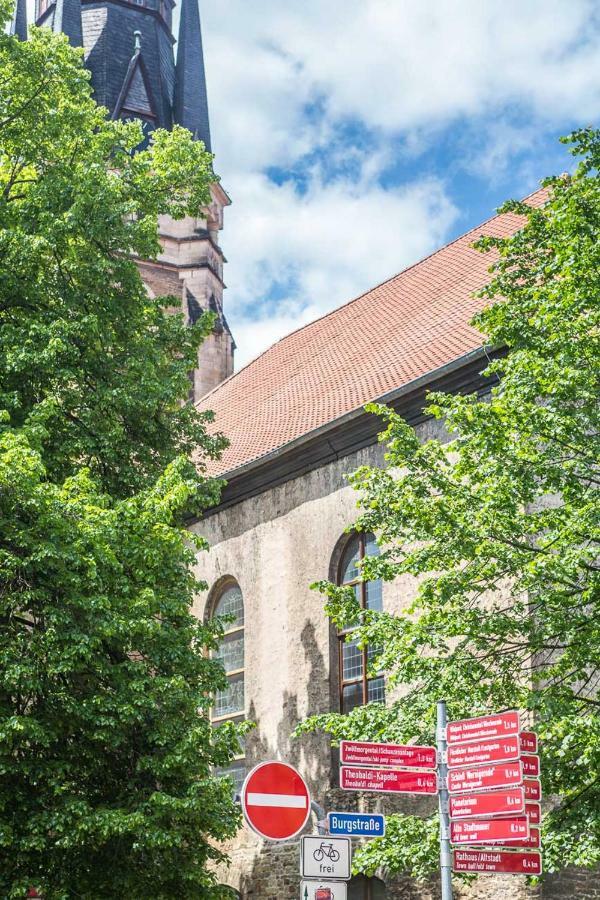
531, 765
483, 777
275, 801
492, 803
529, 742
369, 825
361, 753
391, 781
489, 831
494, 726
533, 788
481, 752
490, 861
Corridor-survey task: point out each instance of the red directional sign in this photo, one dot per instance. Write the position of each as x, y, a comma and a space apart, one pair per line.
533, 788
481, 778
529, 742
533, 811
477, 753
490, 861
533, 842
531, 765
482, 727
490, 803
275, 801
361, 753
489, 831
392, 781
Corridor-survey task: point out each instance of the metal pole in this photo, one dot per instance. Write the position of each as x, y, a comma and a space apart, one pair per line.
445, 852
321, 817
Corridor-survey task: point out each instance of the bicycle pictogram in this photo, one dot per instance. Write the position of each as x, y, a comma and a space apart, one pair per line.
326, 850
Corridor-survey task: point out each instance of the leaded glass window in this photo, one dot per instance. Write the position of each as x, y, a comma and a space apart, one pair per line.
230, 703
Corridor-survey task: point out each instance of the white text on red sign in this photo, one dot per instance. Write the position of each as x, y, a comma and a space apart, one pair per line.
489, 831
494, 726
482, 752
490, 861
482, 778
361, 753
531, 766
392, 781
491, 803
533, 788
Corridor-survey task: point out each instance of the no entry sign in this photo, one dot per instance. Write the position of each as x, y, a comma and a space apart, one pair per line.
490, 803
275, 801
478, 753
490, 861
361, 753
482, 778
500, 725
391, 781
489, 831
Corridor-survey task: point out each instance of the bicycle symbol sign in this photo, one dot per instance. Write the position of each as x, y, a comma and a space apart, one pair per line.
325, 857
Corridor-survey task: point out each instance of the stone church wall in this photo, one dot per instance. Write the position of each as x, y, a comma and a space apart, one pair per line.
275, 545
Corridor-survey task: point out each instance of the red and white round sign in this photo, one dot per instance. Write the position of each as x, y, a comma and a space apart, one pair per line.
276, 801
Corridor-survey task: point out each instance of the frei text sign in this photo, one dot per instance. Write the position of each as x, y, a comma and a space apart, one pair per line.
392, 781
489, 831
483, 778
322, 856
491, 861
481, 752
323, 890
275, 801
482, 727
361, 753
490, 803
369, 825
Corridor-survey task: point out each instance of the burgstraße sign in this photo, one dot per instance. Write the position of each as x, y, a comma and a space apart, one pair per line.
482, 727
363, 753
489, 862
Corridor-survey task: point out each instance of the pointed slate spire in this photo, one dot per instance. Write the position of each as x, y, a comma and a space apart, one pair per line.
67, 18
18, 25
190, 107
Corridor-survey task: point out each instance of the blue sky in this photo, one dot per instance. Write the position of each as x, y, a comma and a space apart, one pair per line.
356, 136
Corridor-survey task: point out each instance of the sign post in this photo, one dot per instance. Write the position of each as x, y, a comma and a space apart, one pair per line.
445, 852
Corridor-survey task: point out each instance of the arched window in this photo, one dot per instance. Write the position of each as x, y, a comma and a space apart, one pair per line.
229, 705
356, 687
361, 888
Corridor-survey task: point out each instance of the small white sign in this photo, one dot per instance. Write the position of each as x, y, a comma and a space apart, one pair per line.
323, 890
323, 856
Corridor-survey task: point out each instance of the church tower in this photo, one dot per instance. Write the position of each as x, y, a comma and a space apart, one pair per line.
128, 48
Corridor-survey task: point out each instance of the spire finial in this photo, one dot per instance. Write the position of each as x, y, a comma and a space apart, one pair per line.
67, 18
137, 41
18, 25
190, 107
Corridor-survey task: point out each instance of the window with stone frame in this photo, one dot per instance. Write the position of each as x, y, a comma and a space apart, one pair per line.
229, 704
361, 888
357, 685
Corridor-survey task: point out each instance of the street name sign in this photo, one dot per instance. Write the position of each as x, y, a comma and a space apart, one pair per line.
482, 778
489, 831
361, 753
487, 862
531, 765
533, 788
275, 801
322, 856
389, 781
529, 742
486, 804
481, 752
323, 890
494, 726
369, 825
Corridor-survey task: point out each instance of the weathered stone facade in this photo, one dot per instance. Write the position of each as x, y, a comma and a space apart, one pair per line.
275, 545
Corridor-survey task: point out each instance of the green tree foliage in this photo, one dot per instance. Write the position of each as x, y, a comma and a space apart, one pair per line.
106, 750
499, 527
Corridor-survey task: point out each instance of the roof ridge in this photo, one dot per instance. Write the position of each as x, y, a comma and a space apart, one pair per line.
360, 296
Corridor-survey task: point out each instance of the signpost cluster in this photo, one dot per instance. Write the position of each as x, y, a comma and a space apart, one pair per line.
484, 773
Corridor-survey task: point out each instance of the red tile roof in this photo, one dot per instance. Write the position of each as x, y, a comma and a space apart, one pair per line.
400, 330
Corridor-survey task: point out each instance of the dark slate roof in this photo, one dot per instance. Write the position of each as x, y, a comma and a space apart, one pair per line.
67, 18
18, 25
190, 107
